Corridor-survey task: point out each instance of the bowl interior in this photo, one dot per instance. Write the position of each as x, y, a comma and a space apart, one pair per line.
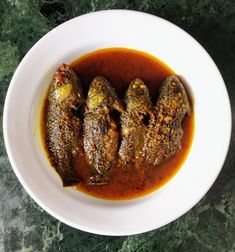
117, 29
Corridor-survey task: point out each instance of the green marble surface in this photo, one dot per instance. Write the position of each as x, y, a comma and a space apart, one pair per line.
210, 225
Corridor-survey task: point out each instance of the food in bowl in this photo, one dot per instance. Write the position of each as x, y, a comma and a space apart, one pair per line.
108, 217
117, 123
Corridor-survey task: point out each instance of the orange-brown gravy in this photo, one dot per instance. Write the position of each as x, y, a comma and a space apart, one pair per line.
120, 66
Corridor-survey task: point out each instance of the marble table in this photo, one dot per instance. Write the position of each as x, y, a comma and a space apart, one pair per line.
210, 225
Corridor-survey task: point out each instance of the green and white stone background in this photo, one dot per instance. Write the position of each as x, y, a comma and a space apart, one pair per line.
210, 225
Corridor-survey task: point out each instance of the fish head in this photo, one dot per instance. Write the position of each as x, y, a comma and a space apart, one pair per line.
138, 97
173, 97
66, 86
102, 95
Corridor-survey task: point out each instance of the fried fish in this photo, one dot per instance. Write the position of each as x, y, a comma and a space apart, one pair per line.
101, 135
165, 130
62, 126
134, 121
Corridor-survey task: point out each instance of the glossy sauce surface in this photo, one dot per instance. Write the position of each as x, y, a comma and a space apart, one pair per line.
120, 66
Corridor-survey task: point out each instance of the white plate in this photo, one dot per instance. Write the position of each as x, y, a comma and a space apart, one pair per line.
117, 28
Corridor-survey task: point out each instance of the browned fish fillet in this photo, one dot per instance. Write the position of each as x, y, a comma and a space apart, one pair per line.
134, 121
100, 130
62, 126
165, 130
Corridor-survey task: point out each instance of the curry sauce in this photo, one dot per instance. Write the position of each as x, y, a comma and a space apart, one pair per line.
120, 66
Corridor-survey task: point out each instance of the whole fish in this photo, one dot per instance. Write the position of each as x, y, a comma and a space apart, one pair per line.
134, 121
101, 136
165, 130
62, 126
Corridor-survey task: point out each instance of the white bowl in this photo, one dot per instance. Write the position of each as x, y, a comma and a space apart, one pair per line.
117, 28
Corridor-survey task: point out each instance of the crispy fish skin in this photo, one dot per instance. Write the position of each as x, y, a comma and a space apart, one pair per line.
165, 130
100, 130
133, 127
62, 127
